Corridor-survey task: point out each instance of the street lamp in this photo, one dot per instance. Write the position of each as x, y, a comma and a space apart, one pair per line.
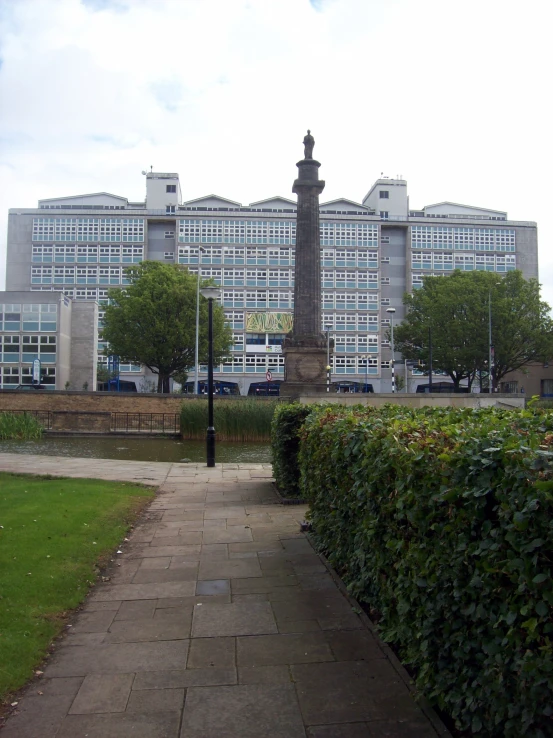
196, 349
328, 327
210, 293
490, 345
392, 311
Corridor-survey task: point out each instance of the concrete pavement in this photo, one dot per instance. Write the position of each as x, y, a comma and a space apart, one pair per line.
219, 621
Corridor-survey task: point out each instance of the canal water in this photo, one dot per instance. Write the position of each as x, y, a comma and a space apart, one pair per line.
139, 449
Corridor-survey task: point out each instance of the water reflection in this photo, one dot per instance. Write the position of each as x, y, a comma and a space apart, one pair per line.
139, 449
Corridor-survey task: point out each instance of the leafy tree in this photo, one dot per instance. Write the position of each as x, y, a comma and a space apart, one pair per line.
152, 321
455, 310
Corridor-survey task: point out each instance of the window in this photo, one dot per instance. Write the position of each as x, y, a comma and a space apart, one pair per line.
169, 234
170, 209
168, 255
171, 188
384, 239
384, 214
384, 194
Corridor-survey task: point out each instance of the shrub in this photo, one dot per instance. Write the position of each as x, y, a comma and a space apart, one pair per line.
442, 520
234, 420
285, 441
19, 426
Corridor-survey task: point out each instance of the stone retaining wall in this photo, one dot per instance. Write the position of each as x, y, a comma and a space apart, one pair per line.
421, 400
72, 401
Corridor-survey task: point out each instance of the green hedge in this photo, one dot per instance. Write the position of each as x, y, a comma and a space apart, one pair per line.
442, 520
285, 441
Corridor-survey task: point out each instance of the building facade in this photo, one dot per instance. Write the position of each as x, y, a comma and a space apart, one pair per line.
371, 253
61, 333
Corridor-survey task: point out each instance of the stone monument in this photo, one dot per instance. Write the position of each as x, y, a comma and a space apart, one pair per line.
305, 348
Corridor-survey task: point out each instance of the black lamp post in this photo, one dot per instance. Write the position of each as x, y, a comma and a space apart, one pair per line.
210, 293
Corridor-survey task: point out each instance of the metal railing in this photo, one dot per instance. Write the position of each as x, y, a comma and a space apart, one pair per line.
145, 422
44, 417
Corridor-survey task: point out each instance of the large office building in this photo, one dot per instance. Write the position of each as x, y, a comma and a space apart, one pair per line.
371, 253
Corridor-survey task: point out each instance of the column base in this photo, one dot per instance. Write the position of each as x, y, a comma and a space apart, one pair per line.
305, 369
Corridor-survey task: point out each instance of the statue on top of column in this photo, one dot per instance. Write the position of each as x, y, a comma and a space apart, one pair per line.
308, 143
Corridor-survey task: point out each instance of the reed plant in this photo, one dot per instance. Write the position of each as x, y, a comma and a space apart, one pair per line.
234, 420
19, 426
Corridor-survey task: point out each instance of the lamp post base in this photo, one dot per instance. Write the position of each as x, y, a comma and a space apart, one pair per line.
210, 445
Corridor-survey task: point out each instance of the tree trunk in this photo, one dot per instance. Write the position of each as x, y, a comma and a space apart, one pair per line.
163, 383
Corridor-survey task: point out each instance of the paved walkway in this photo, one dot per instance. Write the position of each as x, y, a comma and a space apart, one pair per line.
219, 621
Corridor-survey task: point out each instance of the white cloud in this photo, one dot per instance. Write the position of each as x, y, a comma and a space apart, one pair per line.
451, 96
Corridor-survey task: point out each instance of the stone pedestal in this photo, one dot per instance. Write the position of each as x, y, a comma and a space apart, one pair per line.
305, 371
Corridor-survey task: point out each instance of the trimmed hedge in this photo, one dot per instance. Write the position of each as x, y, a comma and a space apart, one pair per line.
442, 520
287, 422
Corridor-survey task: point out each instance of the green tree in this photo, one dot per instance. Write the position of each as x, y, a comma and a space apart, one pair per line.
455, 310
152, 321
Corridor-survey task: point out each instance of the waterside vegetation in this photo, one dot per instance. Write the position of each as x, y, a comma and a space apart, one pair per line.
235, 420
19, 427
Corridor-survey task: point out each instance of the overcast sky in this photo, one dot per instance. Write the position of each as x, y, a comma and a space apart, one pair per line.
454, 96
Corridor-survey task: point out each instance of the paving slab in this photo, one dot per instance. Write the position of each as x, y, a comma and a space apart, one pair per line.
219, 620
156, 629
294, 648
218, 653
343, 692
126, 725
243, 711
118, 658
231, 569
182, 679
156, 700
234, 619
102, 693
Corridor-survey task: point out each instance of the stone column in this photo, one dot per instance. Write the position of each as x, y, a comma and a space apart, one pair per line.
305, 348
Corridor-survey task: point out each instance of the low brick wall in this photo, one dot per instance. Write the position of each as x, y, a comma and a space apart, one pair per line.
81, 422
72, 401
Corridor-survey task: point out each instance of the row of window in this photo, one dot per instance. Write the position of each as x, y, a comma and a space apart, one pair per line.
273, 232
79, 293
272, 257
465, 262
349, 258
361, 280
47, 254
28, 317
253, 363
451, 237
331, 300
12, 376
78, 275
15, 348
134, 368
122, 230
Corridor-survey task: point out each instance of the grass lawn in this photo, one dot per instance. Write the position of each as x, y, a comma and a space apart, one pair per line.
55, 532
